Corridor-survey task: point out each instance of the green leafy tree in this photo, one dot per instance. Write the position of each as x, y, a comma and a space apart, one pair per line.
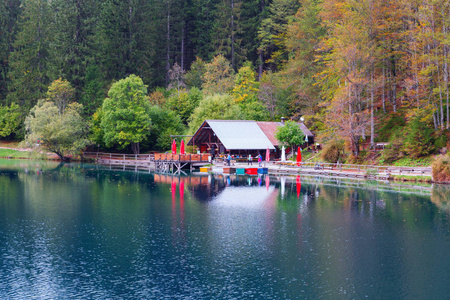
62, 134
254, 110
9, 119
184, 103
245, 85
125, 118
164, 123
61, 93
93, 91
290, 135
96, 131
419, 139
219, 107
194, 77
218, 77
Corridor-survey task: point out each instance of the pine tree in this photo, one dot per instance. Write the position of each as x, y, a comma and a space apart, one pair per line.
9, 11
4, 49
203, 21
272, 33
303, 38
252, 14
126, 38
29, 71
227, 32
72, 44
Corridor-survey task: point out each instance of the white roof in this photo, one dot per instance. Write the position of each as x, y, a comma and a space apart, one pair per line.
236, 135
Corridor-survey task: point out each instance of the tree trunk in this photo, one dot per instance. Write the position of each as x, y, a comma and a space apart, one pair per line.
135, 148
168, 44
232, 35
383, 94
182, 46
261, 56
372, 121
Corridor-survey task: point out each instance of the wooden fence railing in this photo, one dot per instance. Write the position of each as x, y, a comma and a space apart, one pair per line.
149, 157
361, 168
117, 156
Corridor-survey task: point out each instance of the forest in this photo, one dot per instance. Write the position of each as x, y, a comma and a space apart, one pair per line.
358, 71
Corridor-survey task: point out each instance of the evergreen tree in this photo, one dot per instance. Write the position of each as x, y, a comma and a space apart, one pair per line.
125, 38
72, 44
29, 60
227, 32
218, 77
9, 11
202, 34
93, 91
252, 14
4, 49
272, 33
303, 37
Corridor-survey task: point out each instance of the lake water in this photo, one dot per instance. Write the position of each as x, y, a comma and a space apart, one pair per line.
85, 232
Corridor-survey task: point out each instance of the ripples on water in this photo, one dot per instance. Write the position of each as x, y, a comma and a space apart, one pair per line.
77, 232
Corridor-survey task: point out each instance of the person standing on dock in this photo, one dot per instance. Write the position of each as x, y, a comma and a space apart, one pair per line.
259, 160
250, 160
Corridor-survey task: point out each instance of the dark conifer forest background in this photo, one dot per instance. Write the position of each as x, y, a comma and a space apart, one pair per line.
359, 71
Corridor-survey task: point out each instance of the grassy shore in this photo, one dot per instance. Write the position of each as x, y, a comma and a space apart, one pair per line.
10, 153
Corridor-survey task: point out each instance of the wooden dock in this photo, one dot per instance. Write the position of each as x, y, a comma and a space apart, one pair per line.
159, 161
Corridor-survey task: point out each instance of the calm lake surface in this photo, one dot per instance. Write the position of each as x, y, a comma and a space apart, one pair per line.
84, 232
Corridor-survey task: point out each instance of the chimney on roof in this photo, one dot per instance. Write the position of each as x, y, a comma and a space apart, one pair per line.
282, 120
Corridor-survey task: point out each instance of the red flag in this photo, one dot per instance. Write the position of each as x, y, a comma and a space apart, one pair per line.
267, 154
174, 147
182, 151
299, 156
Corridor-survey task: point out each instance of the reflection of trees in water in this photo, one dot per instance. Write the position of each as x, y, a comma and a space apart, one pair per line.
440, 196
105, 187
369, 200
11, 192
410, 209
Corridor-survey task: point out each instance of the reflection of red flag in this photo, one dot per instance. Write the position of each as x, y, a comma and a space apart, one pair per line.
299, 156
298, 183
174, 147
267, 182
182, 202
181, 193
182, 151
174, 191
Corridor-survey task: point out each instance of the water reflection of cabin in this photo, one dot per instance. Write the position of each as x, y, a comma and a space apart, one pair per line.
241, 138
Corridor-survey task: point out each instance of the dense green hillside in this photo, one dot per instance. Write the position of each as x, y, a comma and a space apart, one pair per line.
360, 72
